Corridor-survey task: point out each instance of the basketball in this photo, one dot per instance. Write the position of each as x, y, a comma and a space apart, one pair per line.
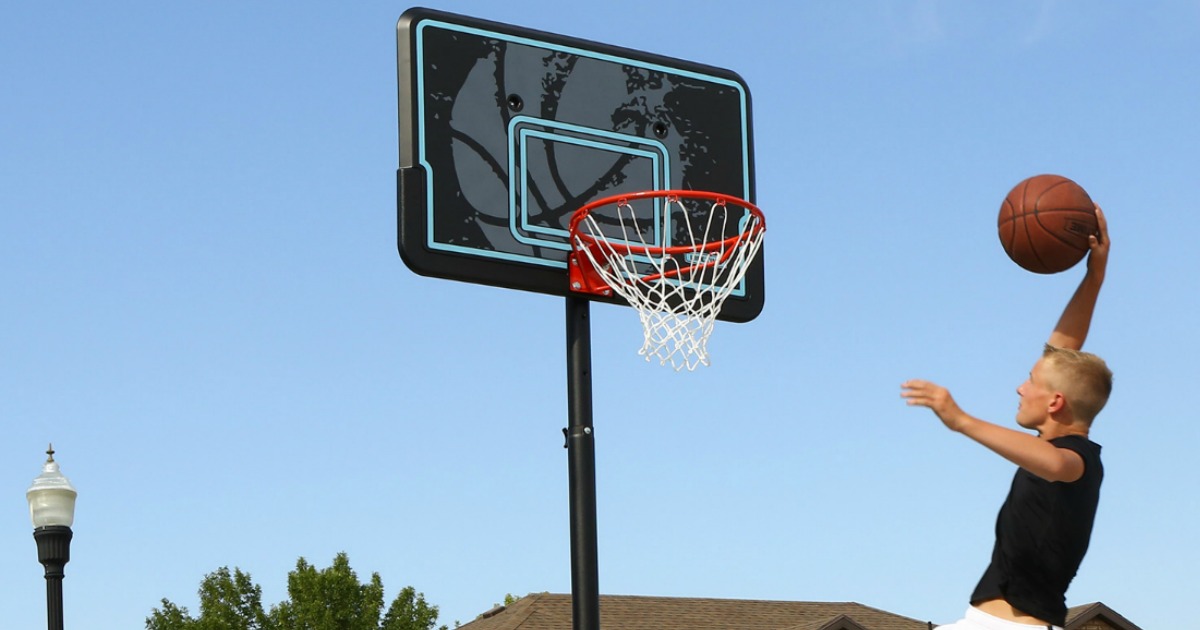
1045, 222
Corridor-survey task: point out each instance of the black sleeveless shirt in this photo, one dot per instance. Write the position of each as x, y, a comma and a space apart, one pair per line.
1042, 534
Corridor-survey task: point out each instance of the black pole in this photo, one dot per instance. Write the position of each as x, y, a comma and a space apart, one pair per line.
54, 551
581, 463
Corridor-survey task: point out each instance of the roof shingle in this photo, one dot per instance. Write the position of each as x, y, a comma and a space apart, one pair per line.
549, 611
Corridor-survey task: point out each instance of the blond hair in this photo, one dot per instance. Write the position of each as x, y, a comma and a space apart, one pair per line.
1083, 379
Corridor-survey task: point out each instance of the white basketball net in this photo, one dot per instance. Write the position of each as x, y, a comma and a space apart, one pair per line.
677, 290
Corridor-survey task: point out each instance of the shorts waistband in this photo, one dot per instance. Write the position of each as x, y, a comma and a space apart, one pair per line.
992, 622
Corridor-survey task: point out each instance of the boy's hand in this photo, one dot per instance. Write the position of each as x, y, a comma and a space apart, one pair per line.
1098, 244
936, 398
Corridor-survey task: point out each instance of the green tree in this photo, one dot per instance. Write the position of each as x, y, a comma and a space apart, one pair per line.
410, 612
227, 601
326, 599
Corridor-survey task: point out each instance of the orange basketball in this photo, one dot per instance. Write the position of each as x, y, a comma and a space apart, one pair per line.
1045, 222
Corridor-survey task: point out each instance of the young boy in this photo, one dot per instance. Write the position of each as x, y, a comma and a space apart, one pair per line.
1045, 524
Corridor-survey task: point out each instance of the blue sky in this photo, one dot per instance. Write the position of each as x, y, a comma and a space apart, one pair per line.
201, 305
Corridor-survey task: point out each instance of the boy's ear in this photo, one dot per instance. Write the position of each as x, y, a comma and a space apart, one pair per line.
1058, 402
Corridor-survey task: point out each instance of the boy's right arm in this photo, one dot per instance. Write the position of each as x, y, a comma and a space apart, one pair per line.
1076, 319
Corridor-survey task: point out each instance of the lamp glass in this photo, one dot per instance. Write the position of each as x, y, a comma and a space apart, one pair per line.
51, 498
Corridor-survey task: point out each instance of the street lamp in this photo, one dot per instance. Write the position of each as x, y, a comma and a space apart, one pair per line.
52, 508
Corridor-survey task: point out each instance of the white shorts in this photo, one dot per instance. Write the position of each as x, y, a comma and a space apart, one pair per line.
976, 619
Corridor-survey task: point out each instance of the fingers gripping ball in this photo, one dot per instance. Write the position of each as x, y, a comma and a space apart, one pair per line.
1045, 222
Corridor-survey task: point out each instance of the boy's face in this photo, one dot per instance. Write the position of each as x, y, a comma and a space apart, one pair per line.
1036, 397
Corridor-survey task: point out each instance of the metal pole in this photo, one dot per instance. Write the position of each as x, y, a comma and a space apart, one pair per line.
54, 602
581, 463
54, 551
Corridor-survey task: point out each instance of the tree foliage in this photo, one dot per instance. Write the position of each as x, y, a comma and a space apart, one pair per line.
410, 612
325, 599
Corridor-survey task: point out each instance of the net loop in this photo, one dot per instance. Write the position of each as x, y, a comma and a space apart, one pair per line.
676, 265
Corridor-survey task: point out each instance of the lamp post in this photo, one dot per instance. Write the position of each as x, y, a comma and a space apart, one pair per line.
52, 509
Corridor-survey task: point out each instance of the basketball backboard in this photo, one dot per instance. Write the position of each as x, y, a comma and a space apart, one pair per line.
506, 131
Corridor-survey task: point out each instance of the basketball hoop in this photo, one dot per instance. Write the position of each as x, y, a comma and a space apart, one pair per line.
676, 264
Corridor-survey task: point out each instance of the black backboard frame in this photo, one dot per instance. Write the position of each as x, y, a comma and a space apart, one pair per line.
424, 33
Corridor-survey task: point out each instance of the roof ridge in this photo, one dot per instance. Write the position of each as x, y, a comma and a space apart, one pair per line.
1087, 612
522, 609
725, 599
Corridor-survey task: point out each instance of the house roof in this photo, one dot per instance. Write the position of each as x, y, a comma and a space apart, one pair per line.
1086, 616
551, 611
